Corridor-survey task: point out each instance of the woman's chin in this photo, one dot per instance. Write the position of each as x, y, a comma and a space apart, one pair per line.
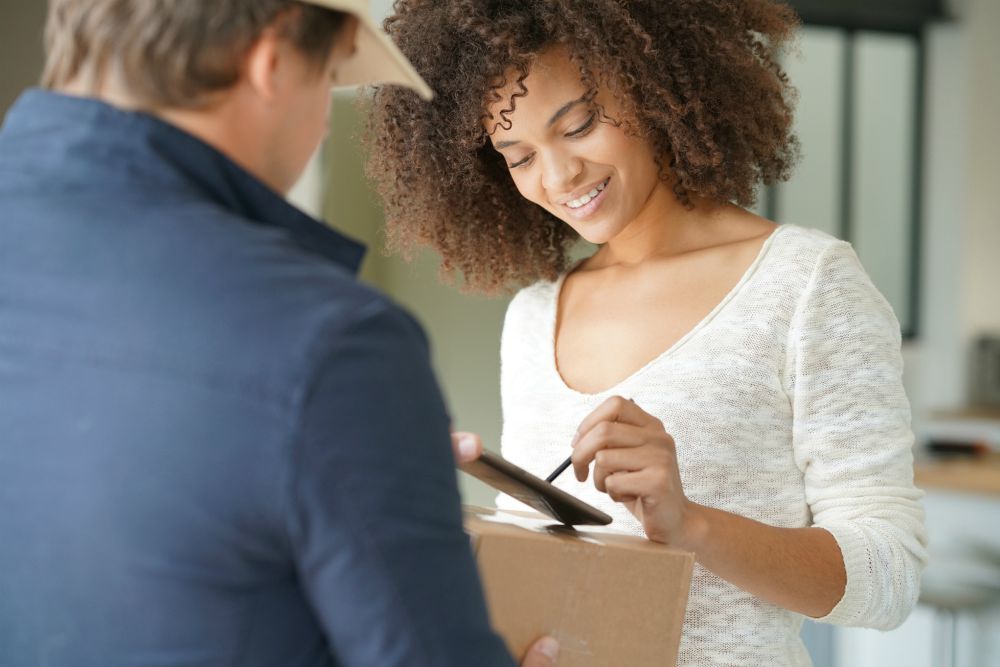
595, 235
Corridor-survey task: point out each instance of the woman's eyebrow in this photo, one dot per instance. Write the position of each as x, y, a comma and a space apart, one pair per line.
563, 110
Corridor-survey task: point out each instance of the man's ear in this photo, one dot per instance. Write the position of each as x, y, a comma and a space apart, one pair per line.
264, 64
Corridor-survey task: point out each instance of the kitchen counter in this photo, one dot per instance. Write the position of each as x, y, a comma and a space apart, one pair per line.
980, 475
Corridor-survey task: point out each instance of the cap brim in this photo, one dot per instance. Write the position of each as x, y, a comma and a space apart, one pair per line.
378, 60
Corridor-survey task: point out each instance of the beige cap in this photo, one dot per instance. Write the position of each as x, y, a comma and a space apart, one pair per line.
377, 59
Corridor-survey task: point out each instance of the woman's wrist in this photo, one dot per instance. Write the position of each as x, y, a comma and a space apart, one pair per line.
694, 528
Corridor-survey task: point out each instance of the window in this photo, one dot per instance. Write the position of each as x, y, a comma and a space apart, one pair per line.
860, 121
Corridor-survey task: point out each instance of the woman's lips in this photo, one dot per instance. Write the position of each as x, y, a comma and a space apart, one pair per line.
590, 207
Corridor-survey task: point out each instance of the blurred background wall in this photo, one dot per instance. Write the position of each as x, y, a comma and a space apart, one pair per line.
954, 280
21, 52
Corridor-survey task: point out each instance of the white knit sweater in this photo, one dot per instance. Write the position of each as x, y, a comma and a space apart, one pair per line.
787, 406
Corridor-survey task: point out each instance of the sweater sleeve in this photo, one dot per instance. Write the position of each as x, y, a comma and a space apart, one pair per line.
852, 439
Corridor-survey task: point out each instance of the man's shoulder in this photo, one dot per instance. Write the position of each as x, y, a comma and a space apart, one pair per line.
291, 306
186, 287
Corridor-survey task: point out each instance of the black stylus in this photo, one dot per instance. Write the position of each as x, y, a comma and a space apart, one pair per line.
565, 464
558, 471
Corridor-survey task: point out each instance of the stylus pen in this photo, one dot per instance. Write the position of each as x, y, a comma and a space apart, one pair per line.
565, 464
558, 471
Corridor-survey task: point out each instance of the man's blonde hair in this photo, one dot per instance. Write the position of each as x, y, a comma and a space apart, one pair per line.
172, 53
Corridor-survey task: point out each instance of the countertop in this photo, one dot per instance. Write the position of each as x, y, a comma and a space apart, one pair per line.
980, 475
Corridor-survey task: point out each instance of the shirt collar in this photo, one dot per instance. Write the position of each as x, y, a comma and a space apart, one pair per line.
202, 165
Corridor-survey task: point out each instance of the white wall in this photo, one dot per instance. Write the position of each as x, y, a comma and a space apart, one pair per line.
936, 374
961, 261
981, 275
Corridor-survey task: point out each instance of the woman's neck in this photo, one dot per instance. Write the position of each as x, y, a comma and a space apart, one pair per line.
664, 227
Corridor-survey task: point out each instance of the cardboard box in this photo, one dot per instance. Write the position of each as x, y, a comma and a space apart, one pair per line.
610, 599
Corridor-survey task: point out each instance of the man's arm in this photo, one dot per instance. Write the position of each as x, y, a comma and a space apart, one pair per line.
374, 518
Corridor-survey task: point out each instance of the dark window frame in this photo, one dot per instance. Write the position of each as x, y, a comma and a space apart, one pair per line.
907, 16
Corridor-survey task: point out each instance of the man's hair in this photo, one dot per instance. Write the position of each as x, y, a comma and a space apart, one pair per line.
173, 53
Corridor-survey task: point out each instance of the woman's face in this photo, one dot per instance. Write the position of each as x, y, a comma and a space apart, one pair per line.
587, 173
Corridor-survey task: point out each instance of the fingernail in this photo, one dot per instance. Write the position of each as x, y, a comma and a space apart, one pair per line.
548, 647
467, 447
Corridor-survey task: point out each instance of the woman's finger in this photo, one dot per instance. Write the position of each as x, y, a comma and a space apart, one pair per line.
606, 435
625, 487
608, 462
615, 409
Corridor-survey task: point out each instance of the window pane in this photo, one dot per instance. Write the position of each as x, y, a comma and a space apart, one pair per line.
812, 198
884, 117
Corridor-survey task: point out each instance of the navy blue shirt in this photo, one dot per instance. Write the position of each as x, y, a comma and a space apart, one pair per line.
216, 446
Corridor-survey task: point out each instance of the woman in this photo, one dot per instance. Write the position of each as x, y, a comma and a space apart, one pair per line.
725, 385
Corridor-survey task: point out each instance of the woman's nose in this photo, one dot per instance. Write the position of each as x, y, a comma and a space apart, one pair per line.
559, 171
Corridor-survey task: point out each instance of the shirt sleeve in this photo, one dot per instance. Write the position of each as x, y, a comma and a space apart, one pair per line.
376, 524
853, 442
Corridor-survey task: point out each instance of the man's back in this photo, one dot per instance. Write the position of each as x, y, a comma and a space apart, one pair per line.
205, 423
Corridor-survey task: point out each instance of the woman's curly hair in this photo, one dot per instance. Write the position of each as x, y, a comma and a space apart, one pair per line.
699, 79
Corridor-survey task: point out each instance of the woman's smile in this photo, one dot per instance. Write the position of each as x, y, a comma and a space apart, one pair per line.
586, 204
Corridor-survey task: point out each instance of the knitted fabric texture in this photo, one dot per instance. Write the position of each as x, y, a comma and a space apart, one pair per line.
787, 406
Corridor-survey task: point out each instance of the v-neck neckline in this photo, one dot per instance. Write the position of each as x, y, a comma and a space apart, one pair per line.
678, 344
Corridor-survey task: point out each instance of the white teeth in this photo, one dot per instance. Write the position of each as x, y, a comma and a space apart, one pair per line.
587, 198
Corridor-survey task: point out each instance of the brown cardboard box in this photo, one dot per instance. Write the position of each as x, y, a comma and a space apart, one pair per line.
611, 600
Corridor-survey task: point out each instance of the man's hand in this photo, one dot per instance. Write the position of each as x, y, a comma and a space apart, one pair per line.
467, 446
542, 653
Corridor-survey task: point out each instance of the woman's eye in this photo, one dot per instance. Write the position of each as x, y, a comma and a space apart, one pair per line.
520, 163
583, 128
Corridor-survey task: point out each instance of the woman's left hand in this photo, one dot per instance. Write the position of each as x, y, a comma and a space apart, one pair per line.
635, 463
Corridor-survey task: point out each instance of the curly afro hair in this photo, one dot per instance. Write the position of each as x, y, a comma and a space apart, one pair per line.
699, 79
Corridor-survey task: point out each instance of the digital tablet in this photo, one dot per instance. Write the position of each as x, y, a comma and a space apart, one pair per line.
533, 491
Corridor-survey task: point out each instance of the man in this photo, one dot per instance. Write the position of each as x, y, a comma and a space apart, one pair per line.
216, 447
